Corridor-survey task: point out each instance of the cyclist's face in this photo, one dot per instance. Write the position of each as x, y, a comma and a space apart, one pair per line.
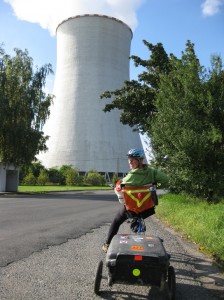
133, 163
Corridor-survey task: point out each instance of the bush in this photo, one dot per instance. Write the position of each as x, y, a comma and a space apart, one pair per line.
94, 178
43, 178
29, 179
72, 176
34, 168
56, 177
80, 180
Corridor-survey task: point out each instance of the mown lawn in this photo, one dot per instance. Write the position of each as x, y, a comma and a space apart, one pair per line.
57, 188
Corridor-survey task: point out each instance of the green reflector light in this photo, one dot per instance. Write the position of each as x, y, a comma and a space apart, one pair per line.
136, 272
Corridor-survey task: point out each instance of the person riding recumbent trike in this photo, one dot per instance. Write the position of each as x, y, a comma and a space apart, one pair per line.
137, 258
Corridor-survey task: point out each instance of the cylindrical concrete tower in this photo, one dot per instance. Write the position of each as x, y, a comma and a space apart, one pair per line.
92, 57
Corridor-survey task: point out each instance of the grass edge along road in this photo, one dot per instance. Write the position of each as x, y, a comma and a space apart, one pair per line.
199, 221
58, 188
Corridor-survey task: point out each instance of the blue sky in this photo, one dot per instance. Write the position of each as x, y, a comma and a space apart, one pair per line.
30, 24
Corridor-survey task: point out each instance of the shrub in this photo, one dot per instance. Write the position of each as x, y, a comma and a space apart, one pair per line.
29, 179
94, 178
72, 176
43, 178
56, 177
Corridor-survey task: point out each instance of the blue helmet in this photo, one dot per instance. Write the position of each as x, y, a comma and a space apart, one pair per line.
136, 153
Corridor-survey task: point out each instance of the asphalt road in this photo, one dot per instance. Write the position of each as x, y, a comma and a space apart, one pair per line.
30, 223
50, 246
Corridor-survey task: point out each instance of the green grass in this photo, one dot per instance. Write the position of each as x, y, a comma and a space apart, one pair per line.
57, 188
198, 220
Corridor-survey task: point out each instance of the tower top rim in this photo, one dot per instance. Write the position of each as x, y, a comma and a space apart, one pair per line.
93, 15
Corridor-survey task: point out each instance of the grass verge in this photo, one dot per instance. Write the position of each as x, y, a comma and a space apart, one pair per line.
57, 188
200, 221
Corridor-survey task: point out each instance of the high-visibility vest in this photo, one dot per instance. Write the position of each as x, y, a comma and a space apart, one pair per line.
137, 198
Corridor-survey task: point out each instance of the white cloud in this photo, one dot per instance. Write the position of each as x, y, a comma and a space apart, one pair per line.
211, 7
49, 13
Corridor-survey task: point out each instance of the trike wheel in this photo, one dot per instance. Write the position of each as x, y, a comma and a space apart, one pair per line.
98, 277
171, 283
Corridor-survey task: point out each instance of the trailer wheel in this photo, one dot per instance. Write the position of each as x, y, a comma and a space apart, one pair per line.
98, 277
171, 283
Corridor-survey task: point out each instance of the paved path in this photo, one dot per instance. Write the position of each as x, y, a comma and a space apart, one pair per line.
67, 271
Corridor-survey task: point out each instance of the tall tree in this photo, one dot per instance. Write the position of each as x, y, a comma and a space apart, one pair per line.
180, 105
188, 129
24, 107
136, 98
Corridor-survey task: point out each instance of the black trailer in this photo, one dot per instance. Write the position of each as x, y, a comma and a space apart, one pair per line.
138, 259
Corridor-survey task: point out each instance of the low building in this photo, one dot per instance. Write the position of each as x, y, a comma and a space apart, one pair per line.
9, 178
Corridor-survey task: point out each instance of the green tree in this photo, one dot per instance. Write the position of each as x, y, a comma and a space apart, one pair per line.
34, 168
55, 176
180, 105
188, 129
43, 177
136, 98
72, 176
24, 108
64, 169
29, 179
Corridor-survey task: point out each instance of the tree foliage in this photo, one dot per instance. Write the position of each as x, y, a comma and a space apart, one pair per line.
24, 108
43, 178
29, 179
72, 176
95, 178
136, 97
55, 176
188, 129
180, 105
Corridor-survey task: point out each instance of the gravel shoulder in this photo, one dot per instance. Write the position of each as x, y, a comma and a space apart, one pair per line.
67, 271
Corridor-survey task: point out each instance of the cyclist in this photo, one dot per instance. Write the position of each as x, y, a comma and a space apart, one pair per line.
140, 174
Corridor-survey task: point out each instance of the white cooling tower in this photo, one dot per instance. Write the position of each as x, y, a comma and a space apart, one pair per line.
92, 57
